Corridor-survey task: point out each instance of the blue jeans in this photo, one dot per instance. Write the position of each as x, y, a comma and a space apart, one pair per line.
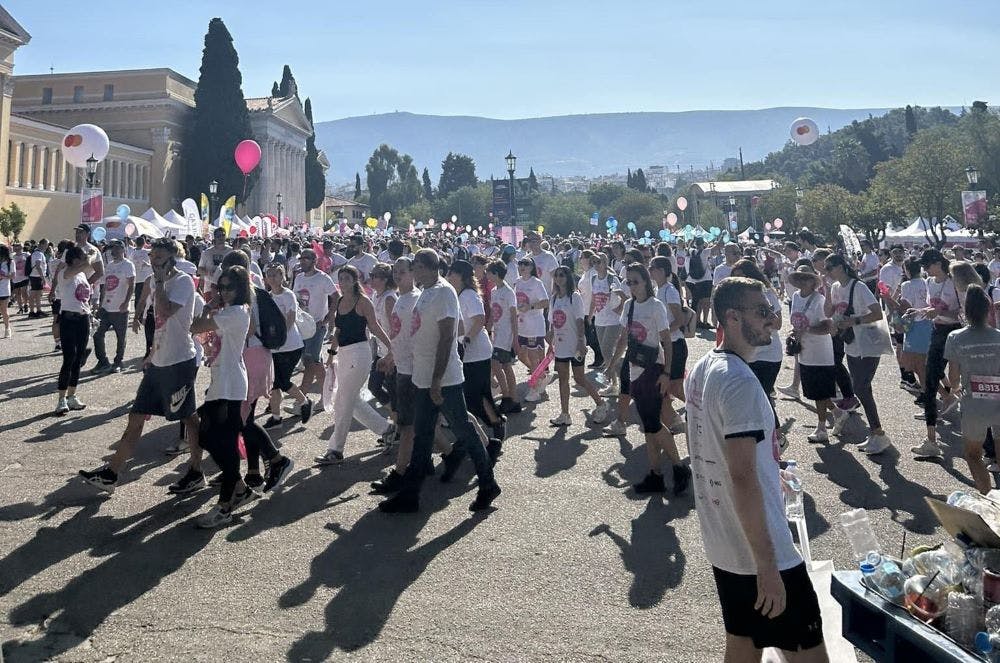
466, 440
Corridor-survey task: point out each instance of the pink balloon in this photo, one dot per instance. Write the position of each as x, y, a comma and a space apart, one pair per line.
672, 219
777, 223
767, 226
682, 203
247, 155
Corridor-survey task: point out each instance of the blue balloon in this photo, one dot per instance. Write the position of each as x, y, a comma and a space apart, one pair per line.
123, 212
631, 225
98, 233
646, 233
725, 236
664, 234
610, 223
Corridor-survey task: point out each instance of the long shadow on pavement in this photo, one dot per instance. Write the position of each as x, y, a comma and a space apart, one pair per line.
558, 453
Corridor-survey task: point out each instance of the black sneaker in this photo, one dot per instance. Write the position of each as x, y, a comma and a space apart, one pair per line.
485, 497
493, 449
306, 411
272, 422
277, 473
101, 367
242, 499
400, 503
682, 477
254, 482
452, 462
190, 482
117, 368
509, 406
391, 483
500, 429
102, 479
653, 483
215, 481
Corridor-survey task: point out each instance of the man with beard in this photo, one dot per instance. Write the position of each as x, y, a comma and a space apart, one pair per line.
211, 259
766, 596
358, 257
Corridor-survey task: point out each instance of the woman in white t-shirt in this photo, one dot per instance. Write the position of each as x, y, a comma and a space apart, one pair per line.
661, 271
287, 357
475, 348
532, 300
567, 339
74, 326
226, 321
645, 346
811, 328
912, 295
605, 306
6, 271
502, 325
381, 384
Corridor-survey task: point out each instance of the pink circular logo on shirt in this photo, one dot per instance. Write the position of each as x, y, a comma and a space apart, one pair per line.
558, 318
415, 322
939, 304
799, 320
522, 299
637, 331
111, 282
304, 298
213, 346
496, 311
841, 308
600, 301
82, 292
395, 325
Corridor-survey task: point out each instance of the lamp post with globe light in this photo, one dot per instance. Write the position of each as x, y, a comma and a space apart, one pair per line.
213, 198
511, 163
277, 199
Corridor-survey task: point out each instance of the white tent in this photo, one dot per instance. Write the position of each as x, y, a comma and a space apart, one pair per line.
133, 226
918, 233
165, 225
175, 218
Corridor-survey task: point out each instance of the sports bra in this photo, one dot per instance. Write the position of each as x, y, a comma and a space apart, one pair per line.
351, 327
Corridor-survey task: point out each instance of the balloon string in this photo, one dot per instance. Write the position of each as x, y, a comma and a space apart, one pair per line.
244, 196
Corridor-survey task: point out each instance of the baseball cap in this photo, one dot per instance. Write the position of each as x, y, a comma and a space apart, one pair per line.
84, 227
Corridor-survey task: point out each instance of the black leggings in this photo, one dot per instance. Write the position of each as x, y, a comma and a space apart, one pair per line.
149, 327
257, 442
477, 390
840, 371
590, 333
217, 434
74, 330
935, 370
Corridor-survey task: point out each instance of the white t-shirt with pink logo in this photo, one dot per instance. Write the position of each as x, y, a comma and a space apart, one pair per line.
224, 355
20, 264
564, 313
502, 300
75, 294
399, 331
530, 291
604, 293
172, 342
817, 349
313, 293
649, 318
478, 348
6, 271
435, 303
116, 276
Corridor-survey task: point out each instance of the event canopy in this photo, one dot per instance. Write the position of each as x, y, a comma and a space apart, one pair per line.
133, 226
918, 233
165, 225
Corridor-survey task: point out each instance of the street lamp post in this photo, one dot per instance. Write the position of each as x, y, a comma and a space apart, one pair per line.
91, 171
732, 212
511, 162
972, 175
213, 199
798, 205
277, 199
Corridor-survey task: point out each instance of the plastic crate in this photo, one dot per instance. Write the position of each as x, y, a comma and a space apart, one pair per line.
887, 632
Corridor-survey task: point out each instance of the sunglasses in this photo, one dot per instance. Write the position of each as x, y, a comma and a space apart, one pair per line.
762, 310
524, 264
631, 282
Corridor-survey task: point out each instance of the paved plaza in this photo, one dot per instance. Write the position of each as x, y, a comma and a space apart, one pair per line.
571, 566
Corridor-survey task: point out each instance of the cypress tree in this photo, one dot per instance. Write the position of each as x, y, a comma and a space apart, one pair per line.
428, 187
287, 87
220, 120
628, 179
532, 180
357, 186
639, 181
275, 90
911, 122
315, 177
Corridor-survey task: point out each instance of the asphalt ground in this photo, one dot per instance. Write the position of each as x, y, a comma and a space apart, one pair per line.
570, 566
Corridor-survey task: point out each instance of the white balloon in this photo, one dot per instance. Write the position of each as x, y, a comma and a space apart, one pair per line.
804, 131
84, 141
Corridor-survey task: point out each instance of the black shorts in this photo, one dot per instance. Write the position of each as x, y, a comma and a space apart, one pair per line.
799, 627
645, 393
818, 382
678, 359
502, 356
531, 342
767, 373
572, 361
700, 290
167, 391
406, 396
56, 307
284, 366
36, 283
20, 284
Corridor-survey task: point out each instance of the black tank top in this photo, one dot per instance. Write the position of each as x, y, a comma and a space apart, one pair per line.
351, 327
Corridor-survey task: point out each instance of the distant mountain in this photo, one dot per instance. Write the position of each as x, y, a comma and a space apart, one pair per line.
571, 144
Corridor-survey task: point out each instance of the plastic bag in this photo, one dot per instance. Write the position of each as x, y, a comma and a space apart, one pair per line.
330, 386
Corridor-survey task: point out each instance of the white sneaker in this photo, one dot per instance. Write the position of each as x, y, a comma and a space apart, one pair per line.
616, 429
791, 391
876, 444
6, 333
533, 396
74, 403
610, 390
929, 449
818, 435
840, 418
216, 517
993, 467
600, 413
181, 447
562, 420
62, 407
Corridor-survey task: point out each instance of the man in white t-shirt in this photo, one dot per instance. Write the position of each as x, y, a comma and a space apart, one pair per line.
139, 256
994, 266
36, 279
764, 588
545, 262
437, 381
358, 256
211, 259
315, 292
116, 293
170, 370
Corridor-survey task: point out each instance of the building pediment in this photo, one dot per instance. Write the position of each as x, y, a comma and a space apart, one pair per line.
288, 110
14, 31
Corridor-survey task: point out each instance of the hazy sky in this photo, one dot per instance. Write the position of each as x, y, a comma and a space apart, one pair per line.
534, 58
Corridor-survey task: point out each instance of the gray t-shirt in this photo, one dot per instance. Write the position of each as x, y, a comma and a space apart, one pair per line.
977, 352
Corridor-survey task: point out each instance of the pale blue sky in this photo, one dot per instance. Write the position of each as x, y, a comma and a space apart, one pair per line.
520, 58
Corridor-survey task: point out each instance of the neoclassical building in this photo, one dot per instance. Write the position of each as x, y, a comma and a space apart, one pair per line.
144, 113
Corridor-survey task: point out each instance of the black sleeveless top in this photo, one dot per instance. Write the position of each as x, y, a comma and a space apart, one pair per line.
351, 326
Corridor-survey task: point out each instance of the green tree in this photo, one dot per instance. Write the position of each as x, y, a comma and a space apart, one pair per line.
628, 179
779, 203
911, 122
564, 213
357, 186
982, 128
471, 204
602, 195
875, 208
851, 164
709, 215
457, 170
532, 180
825, 207
928, 177
638, 180
12, 221
275, 90
287, 87
644, 209
218, 122
381, 169
428, 188
315, 177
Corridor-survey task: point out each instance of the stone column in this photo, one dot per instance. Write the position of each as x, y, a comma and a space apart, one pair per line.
14, 169
29, 165
53, 157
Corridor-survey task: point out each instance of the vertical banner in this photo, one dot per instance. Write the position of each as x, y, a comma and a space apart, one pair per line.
91, 205
206, 210
513, 235
226, 213
974, 207
192, 219
595, 219
733, 221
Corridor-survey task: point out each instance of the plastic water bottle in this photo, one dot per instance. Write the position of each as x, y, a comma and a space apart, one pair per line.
890, 581
792, 487
988, 642
859, 532
963, 617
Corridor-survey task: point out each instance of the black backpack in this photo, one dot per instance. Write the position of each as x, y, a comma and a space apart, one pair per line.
272, 331
696, 266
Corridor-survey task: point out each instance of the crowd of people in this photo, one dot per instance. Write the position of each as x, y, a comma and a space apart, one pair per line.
423, 338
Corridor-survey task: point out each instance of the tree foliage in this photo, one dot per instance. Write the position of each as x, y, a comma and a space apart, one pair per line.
779, 203
357, 186
218, 122
287, 87
532, 180
457, 171
393, 182
428, 187
315, 177
602, 195
12, 221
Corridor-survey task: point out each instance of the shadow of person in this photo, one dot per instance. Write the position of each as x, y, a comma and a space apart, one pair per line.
134, 565
653, 553
557, 453
372, 564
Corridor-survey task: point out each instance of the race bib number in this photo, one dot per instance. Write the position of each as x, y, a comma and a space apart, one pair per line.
985, 387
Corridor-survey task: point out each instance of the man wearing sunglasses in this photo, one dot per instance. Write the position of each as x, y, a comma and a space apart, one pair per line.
764, 589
